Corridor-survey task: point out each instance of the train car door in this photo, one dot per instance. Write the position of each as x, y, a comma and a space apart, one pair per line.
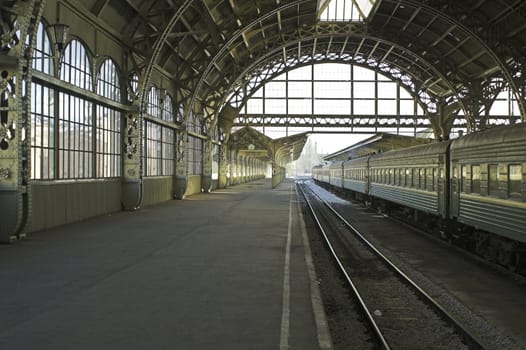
438, 177
455, 188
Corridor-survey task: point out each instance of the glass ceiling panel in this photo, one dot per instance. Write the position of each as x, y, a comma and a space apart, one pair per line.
345, 10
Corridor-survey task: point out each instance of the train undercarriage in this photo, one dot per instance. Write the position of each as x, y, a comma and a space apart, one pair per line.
488, 246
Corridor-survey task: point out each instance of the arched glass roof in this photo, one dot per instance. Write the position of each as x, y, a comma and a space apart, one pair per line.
333, 95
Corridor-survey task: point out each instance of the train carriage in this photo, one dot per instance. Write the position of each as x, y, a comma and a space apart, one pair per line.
321, 173
356, 175
413, 177
336, 174
488, 181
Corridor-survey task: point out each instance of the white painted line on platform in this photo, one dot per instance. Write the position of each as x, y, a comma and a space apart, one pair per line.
322, 327
285, 313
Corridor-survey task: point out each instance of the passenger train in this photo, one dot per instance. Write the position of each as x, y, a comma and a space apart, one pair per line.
471, 190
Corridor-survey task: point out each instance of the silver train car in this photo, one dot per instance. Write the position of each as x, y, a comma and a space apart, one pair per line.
470, 190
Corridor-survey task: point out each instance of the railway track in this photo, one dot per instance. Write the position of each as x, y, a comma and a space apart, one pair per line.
395, 311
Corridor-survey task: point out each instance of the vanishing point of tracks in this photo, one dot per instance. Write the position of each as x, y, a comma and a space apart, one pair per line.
392, 311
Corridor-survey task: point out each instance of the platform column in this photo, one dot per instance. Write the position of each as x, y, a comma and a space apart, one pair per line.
276, 175
180, 179
222, 180
15, 122
131, 177
243, 168
12, 182
233, 168
206, 176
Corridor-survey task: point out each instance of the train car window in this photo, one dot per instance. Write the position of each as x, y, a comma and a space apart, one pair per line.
475, 179
407, 175
429, 177
493, 183
435, 172
515, 181
463, 181
422, 179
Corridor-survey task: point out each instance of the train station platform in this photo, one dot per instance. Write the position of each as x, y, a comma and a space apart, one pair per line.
229, 269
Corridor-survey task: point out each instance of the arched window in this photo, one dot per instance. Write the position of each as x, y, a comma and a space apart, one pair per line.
42, 111
108, 124
75, 134
108, 83
75, 66
344, 95
167, 108
42, 53
153, 103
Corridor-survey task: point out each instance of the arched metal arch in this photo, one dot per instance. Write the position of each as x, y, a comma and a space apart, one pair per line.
409, 57
302, 63
254, 69
227, 45
227, 48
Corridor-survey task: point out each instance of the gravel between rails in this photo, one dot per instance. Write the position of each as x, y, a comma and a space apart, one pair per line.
492, 338
405, 320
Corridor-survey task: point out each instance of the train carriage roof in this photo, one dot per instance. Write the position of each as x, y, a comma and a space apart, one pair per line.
496, 135
420, 151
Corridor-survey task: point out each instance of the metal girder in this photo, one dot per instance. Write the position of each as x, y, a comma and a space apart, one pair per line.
205, 45
355, 123
484, 34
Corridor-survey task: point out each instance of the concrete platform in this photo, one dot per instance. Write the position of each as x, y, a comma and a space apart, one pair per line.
224, 270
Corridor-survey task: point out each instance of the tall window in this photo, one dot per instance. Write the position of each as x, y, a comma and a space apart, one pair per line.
195, 147
108, 123
75, 116
160, 139
475, 179
42, 132
42, 112
75, 146
153, 149
215, 155
515, 181
168, 137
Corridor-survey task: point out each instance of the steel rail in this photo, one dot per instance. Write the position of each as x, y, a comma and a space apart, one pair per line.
363, 306
472, 340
